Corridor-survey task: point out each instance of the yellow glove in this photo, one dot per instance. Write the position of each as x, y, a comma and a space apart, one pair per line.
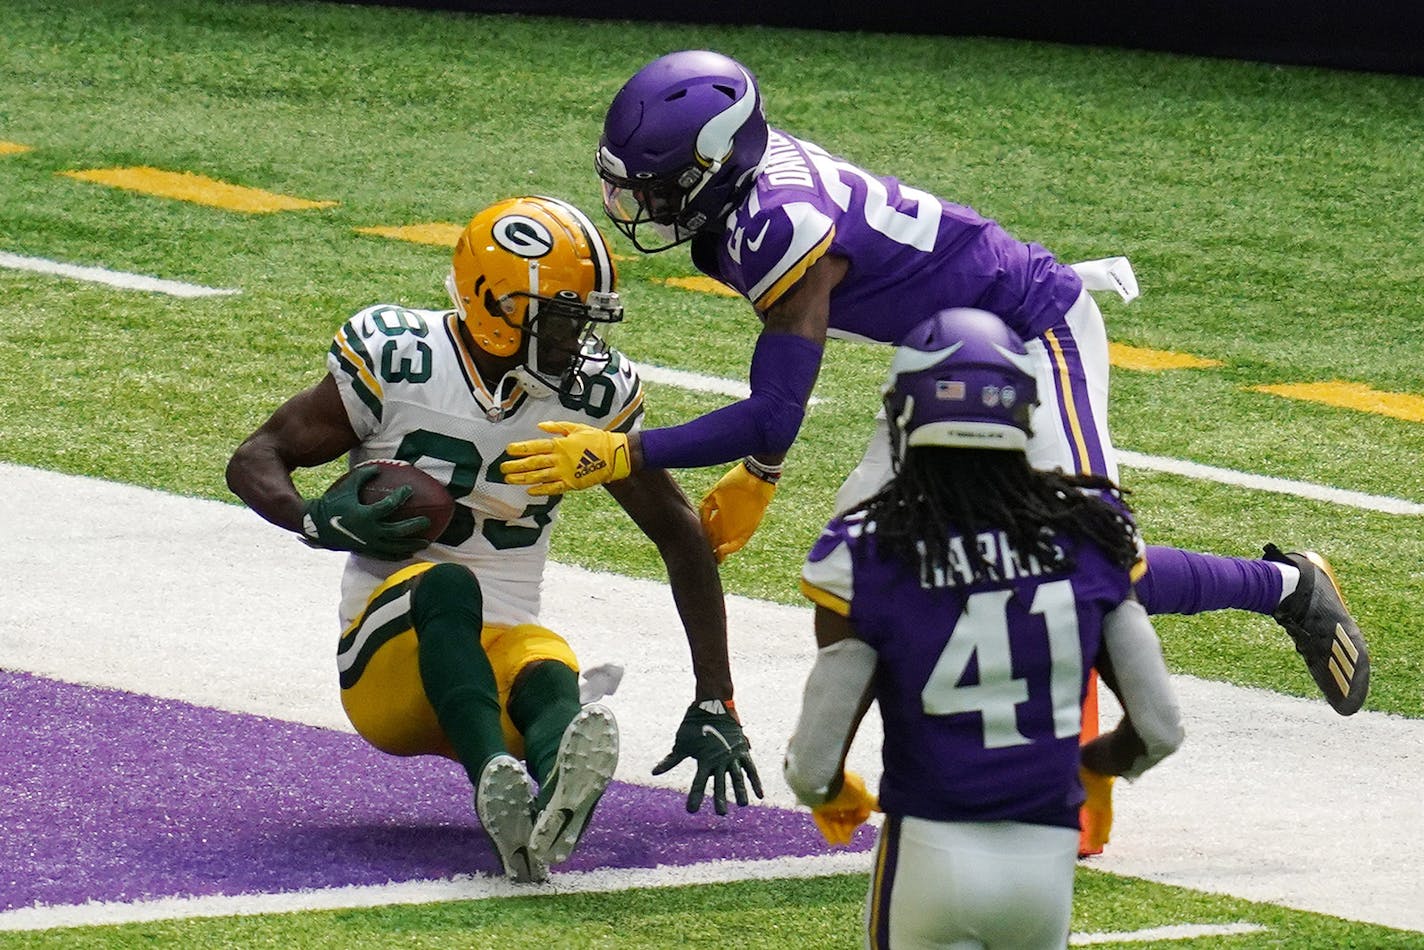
838, 818
580, 457
734, 507
1097, 812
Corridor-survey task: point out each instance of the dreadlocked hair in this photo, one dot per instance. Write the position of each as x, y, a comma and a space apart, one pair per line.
939, 492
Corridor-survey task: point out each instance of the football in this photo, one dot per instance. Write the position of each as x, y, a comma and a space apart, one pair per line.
428, 497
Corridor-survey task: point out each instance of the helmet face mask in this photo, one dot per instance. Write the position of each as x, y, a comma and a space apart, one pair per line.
961, 379
654, 199
681, 143
562, 341
654, 205
532, 280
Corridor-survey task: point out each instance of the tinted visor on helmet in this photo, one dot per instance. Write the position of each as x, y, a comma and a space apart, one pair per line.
654, 204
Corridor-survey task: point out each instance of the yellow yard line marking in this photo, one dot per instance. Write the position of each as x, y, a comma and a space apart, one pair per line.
13, 148
436, 232
1150, 361
705, 285
1357, 396
199, 189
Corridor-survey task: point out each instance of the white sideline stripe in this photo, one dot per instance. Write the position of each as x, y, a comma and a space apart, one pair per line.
1284, 486
198, 601
114, 278
480, 887
1210, 473
1172, 932
461, 887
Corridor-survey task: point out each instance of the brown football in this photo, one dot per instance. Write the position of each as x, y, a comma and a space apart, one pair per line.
428, 497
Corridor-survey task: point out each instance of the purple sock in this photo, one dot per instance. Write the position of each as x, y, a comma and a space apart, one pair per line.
1189, 582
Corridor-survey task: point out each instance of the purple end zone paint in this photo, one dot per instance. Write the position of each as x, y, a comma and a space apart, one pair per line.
113, 796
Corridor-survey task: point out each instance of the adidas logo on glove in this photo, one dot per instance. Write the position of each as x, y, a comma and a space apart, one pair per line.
588, 462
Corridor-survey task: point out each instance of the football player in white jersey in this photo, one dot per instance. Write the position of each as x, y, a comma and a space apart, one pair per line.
441, 651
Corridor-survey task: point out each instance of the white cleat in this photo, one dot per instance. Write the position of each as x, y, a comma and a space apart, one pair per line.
504, 801
588, 754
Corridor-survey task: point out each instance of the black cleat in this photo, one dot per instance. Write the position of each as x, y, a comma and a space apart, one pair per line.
1325, 634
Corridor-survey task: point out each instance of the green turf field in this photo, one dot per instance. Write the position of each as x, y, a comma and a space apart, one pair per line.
1271, 214
817, 914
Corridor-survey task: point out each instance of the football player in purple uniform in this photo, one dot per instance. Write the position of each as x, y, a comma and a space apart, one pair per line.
823, 248
441, 650
970, 598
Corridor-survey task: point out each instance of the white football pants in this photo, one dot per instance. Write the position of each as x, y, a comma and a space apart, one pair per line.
1000, 885
1070, 423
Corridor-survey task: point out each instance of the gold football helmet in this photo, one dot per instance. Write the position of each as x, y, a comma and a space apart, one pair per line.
533, 274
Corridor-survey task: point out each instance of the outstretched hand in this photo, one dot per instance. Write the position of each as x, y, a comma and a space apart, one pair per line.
711, 734
579, 456
734, 507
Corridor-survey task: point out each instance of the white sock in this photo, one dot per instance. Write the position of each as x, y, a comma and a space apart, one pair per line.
1290, 577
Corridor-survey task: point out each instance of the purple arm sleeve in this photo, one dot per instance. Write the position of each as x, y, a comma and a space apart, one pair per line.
783, 373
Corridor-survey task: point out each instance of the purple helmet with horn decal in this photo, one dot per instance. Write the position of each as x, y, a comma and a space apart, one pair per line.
680, 145
962, 378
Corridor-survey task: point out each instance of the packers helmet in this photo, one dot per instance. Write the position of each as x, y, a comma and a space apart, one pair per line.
533, 276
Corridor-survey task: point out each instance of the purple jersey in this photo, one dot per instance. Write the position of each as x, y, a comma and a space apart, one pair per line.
980, 681
910, 253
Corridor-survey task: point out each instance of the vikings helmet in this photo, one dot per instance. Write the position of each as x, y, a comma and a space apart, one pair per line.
533, 274
961, 378
680, 145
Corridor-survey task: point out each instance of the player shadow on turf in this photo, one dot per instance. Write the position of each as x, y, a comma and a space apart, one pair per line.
638, 827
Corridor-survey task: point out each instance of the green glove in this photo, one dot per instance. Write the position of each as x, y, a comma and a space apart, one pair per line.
339, 521
711, 734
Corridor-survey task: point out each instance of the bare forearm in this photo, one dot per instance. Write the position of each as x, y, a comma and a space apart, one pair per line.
657, 505
257, 474
1115, 752
307, 430
697, 592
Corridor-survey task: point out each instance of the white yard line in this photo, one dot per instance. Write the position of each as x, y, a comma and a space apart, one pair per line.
1165, 934
1282, 486
1210, 473
113, 278
698, 382
1272, 798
